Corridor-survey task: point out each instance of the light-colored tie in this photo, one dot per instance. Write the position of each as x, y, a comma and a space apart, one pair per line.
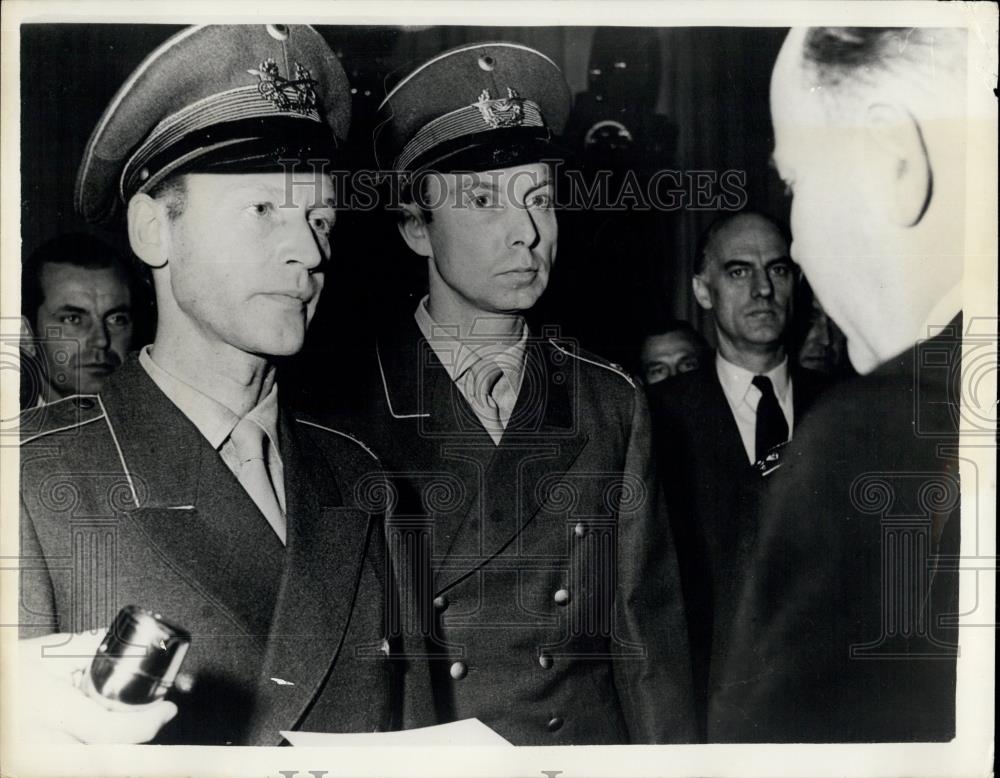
482, 388
248, 439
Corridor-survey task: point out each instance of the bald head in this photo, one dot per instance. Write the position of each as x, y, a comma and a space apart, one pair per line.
870, 129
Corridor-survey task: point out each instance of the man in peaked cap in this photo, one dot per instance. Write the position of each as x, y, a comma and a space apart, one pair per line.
195, 492
541, 578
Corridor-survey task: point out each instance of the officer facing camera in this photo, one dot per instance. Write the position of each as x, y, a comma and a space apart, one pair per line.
216, 507
543, 582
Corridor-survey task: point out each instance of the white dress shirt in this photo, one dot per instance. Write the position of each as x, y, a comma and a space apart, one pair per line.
215, 421
743, 397
457, 358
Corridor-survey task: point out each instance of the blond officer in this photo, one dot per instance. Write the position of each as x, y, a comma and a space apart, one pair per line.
186, 486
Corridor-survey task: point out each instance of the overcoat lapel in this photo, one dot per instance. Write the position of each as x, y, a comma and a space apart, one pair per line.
502, 498
327, 542
540, 441
721, 426
188, 500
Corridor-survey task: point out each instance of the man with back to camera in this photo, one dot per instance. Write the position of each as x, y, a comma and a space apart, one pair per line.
717, 427
837, 640
220, 510
81, 304
671, 349
543, 582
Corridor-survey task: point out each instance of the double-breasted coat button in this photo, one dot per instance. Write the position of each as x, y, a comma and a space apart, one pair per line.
555, 723
458, 670
545, 661
561, 597
440, 603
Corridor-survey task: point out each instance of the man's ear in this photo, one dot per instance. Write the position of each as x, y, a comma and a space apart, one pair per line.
146, 221
28, 337
701, 292
902, 160
413, 228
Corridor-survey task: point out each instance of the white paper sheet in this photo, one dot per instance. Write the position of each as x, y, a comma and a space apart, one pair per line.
467, 732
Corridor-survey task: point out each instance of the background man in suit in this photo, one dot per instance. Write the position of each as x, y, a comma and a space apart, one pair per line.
847, 630
543, 582
80, 301
716, 426
194, 490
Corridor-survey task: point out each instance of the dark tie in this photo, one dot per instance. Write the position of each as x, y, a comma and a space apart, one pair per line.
772, 429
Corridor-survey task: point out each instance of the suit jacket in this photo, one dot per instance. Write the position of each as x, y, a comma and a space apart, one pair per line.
847, 628
124, 502
542, 577
713, 496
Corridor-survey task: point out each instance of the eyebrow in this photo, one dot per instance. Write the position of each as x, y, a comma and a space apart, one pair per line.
540, 185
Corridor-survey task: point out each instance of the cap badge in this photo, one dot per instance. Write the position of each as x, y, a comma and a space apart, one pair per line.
296, 95
503, 112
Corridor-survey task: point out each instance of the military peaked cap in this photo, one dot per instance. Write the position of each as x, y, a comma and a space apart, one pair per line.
476, 107
225, 98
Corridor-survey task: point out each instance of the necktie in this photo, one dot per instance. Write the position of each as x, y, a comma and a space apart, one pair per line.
771, 428
482, 380
248, 438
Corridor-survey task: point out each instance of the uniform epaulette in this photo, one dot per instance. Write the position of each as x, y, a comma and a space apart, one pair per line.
65, 414
360, 444
571, 350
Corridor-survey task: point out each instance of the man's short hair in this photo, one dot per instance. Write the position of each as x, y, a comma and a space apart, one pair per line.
79, 249
706, 238
847, 59
668, 326
173, 192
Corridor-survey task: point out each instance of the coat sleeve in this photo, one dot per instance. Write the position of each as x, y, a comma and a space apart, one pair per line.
36, 598
652, 668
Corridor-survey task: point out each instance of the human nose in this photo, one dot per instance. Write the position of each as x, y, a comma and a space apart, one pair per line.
306, 248
762, 286
98, 337
521, 228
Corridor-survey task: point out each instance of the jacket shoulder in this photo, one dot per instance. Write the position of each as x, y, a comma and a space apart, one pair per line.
65, 415
339, 442
592, 364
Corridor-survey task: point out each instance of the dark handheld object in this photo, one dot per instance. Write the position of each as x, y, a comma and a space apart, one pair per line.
138, 659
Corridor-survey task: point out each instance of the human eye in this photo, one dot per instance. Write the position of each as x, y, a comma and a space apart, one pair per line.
262, 209
71, 319
687, 365
540, 200
738, 272
120, 320
780, 269
480, 200
322, 221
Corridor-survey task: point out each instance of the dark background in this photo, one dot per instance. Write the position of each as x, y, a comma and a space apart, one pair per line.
693, 99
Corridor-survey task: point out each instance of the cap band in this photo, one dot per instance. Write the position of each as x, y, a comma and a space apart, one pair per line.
483, 116
246, 145
232, 105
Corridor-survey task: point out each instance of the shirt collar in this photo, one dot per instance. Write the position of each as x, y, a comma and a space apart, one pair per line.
457, 357
213, 419
736, 381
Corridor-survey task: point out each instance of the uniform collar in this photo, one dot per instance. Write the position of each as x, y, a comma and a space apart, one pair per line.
737, 381
213, 419
457, 357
